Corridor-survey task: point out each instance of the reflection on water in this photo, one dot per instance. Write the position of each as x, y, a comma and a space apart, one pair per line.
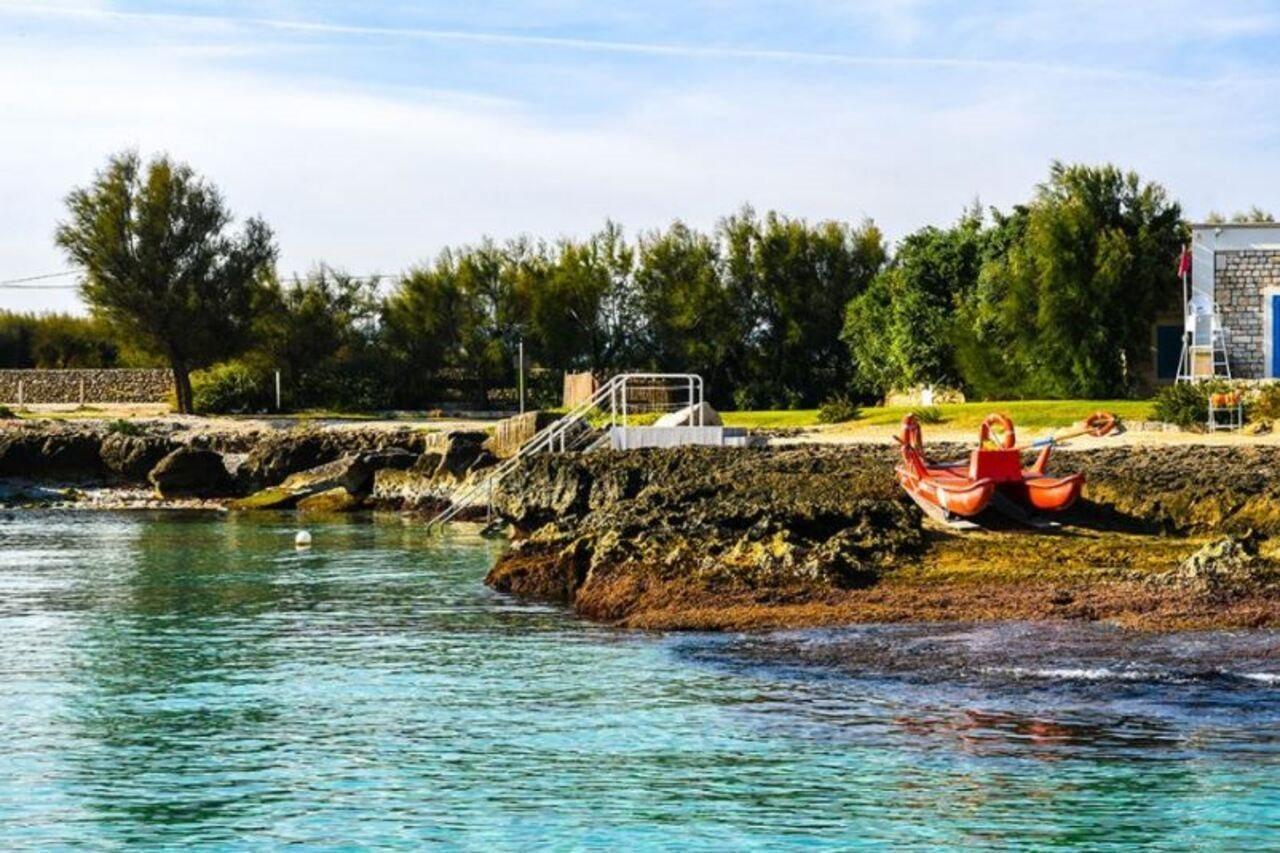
191, 678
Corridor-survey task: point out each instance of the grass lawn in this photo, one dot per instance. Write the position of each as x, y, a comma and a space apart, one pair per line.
1027, 414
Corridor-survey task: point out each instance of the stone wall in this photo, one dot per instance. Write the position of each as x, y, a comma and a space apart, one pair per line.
85, 386
1240, 279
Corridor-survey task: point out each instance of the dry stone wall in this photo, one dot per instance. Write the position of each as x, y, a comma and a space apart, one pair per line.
33, 387
1241, 281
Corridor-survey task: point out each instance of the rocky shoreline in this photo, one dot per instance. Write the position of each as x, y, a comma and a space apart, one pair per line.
702, 538
726, 539
105, 466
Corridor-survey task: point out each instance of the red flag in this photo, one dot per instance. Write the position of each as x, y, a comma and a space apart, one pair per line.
1184, 262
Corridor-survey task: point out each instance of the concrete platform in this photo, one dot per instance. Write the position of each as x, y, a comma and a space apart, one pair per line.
632, 438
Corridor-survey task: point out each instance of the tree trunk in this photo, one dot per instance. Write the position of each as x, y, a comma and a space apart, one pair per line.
182, 386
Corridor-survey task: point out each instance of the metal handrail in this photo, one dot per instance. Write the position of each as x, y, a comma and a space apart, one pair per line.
546, 438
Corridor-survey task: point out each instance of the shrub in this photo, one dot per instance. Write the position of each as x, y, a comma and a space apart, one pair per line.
1186, 403
7, 413
231, 387
929, 415
837, 410
1267, 404
122, 427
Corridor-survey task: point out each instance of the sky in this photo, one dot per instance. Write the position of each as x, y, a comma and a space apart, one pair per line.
372, 134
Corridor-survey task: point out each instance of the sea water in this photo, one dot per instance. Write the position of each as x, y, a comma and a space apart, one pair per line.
195, 680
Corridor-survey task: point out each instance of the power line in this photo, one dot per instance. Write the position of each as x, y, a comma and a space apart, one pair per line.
18, 283
25, 282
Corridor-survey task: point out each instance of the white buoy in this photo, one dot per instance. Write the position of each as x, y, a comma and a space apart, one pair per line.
302, 540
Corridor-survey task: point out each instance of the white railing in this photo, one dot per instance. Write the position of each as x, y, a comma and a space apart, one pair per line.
626, 394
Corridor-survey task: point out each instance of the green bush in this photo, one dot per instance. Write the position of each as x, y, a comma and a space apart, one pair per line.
122, 427
1267, 404
231, 387
837, 410
929, 415
7, 413
1186, 403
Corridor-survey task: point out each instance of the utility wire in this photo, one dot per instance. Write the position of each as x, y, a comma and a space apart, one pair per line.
18, 283
26, 282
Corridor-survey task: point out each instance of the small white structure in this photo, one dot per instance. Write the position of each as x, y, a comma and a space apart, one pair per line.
1231, 326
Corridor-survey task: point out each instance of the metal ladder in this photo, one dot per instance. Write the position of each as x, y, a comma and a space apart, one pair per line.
572, 432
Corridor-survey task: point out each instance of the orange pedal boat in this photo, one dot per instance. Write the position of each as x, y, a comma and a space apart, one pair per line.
958, 490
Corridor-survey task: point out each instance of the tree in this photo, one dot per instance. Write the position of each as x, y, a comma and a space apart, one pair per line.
1066, 311
684, 317
322, 332
582, 303
464, 312
1254, 214
160, 264
789, 283
899, 331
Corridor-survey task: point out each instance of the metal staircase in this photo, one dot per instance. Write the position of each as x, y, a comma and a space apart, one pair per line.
574, 432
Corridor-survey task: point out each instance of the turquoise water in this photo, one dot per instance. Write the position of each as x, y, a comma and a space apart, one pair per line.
192, 680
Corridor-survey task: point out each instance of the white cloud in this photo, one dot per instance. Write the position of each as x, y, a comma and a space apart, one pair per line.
376, 177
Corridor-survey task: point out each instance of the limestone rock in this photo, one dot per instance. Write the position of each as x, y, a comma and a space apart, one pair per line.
191, 473
1222, 570
353, 474
56, 454
332, 500
131, 457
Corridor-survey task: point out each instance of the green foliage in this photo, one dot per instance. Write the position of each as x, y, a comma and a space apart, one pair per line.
55, 341
1068, 307
229, 388
1266, 405
788, 283
120, 426
900, 331
929, 415
7, 413
160, 264
838, 409
322, 333
1186, 403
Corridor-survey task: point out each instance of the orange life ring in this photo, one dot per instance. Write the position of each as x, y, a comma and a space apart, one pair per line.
1001, 424
1224, 399
1100, 423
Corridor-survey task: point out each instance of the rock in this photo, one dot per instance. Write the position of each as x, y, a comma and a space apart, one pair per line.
699, 415
458, 452
614, 529
276, 457
62, 454
412, 490
131, 457
332, 500
191, 472
353, 474
1221, 570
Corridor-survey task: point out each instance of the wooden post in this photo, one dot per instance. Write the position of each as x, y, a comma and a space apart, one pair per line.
278, 407
82, 392
20, 390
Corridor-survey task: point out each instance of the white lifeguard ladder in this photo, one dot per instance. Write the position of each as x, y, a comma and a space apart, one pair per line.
1201, 358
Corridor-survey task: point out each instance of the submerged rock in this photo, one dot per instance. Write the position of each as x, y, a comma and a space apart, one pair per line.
191, 473
336, 499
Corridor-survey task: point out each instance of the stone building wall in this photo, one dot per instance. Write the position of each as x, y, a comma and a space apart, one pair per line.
97, 386
1240, 280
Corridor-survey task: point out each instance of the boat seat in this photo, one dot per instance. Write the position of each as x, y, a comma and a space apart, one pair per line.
1003, 466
